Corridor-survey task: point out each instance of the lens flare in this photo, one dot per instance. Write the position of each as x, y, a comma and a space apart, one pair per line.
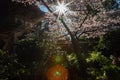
57, 72
61, 8
58, 58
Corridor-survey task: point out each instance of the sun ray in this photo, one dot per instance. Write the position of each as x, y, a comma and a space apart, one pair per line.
69, 3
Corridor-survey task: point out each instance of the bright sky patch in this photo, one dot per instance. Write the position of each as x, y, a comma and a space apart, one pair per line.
43, 8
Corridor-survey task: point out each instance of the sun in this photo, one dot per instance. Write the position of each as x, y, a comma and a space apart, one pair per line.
62, 8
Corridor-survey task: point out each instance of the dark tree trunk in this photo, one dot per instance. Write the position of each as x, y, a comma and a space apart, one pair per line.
78, 51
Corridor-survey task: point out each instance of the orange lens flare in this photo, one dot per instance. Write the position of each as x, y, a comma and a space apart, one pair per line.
57, 72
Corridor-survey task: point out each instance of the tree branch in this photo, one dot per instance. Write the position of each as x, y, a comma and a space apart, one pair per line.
81, 24
86, 32
46, 5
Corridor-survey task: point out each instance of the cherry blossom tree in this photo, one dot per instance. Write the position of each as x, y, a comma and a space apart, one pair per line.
79, 18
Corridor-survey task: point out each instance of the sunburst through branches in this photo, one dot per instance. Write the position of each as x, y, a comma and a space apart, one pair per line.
62, 8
